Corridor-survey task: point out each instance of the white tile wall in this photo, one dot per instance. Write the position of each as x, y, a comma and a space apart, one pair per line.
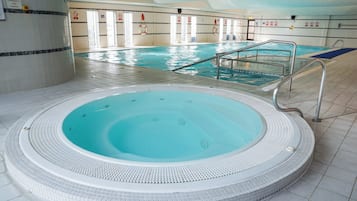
323, 32
28, 32
35, 71
157, 20
47, 5
21, 32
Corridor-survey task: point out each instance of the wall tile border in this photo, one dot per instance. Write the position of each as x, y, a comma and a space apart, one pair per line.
32, 52
38, 12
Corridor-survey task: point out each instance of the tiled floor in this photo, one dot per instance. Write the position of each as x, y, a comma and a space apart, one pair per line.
332, 176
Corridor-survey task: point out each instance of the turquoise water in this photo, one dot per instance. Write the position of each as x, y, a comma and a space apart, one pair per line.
163, 126
171, 57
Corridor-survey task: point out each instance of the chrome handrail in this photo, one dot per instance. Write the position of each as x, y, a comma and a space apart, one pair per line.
257, 62
292, 61
258, 44
272, 50
335, 43
239, 50
319, 100
197, 62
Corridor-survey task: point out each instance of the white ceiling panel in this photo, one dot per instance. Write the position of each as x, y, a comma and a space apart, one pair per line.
256, 7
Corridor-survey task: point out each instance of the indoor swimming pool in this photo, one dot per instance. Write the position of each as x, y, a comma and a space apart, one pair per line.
171, 57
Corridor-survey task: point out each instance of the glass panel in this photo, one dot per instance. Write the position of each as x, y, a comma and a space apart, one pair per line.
93, 29
111, 29
128, 29
229, 29
183, 29
193, 28
235, 30
220, 36
173, 29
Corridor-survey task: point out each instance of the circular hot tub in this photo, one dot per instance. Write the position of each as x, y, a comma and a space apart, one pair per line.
158, 142
163, 126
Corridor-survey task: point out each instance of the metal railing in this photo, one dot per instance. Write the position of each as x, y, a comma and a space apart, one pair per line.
319, 100
219, 56
337, 41
258, 50
238, 50
248, 58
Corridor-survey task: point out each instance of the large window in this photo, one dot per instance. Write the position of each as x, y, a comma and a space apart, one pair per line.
235, 30
220, 35
173, 25
128, 29
93, 29
183, 29
111, 29
229, 29
193, 28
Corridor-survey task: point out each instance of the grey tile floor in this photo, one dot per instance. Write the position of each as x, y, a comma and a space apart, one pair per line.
332, 175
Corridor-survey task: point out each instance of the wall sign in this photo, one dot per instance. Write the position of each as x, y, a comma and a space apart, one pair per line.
14, 4
119, 16
2, 14
75, 15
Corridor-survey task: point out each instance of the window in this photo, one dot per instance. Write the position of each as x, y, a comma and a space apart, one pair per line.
220, 36
235, 30
193, 28
93, 29
111, 29
128, 29
183, 29
173, 19
229, 29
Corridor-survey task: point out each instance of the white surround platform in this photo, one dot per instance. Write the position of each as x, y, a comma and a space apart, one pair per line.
47, 164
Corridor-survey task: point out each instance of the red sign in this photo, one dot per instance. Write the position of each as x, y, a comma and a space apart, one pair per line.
75, 15
119, 16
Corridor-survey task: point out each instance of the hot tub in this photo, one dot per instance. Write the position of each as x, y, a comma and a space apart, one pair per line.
139, 150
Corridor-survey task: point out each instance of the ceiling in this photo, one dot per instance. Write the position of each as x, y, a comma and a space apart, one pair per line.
255, 7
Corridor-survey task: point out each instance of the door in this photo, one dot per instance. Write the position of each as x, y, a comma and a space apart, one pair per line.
251, 30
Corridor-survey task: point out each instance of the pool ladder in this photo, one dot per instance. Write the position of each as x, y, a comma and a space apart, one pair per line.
219, 56
334, 45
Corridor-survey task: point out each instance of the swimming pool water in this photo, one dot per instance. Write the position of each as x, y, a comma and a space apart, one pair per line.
171, 57
163, 126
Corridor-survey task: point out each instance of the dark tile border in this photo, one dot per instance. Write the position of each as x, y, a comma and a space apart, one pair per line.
31, 52
39, 12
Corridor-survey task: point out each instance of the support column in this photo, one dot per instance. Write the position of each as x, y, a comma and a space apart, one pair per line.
35, 47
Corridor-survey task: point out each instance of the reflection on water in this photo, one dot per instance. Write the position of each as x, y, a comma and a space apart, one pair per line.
171, 57
164, 58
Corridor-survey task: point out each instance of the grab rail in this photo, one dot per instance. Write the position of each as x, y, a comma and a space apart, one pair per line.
319, 100
257, 50
197, 62
257, 62
292, 62
218, 55
339, 40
